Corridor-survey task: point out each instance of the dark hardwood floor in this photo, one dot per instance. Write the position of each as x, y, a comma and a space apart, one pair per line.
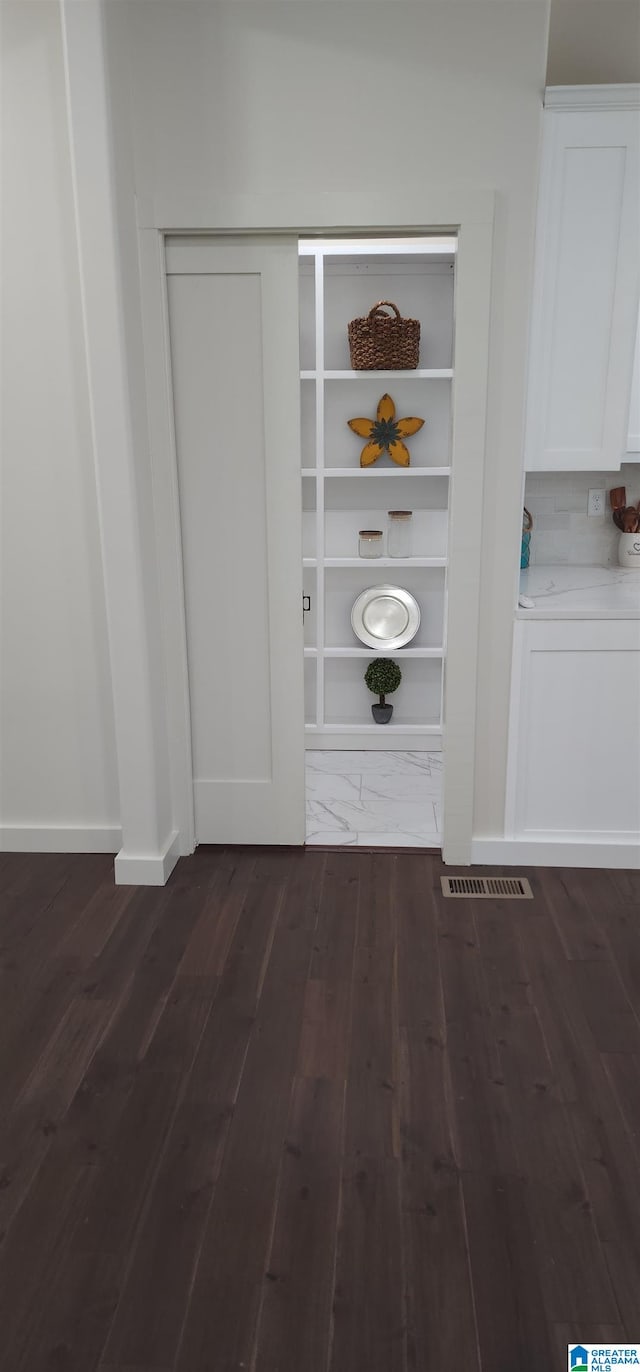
297, 1113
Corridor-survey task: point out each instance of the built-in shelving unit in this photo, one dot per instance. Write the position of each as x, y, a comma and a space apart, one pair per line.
340, 279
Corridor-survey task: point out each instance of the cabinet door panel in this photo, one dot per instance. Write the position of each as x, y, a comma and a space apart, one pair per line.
586, 292
633, 438
578, 730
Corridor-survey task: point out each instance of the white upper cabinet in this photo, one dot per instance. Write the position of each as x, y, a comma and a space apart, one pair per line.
587, 280
633, 437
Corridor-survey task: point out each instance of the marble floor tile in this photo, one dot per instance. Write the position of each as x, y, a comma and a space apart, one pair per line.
328, 786
351, 764
329, 838
321, 816
385, 799
340, 763
419, 761
397, 839
418, 786
389, 815
433, 762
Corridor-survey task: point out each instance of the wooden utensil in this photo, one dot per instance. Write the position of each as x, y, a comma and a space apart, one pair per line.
618, 519
631, 520
618, 497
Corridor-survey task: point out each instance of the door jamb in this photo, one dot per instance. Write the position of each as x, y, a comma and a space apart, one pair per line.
168, 531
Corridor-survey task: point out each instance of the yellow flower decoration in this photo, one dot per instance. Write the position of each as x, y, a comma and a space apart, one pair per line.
385, 432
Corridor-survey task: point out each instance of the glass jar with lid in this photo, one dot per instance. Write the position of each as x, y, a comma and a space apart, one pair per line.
400, 538
370, 542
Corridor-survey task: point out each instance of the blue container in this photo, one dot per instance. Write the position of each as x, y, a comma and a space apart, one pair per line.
525, 546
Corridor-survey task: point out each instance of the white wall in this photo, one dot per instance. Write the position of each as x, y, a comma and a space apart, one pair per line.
56, 726
256, 98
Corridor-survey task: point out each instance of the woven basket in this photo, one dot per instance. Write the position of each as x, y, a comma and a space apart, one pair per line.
383, 342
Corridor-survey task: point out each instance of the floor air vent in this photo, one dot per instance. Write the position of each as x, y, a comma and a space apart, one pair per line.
485, 888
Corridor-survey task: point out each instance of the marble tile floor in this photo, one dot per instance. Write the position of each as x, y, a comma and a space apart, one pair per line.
375, 799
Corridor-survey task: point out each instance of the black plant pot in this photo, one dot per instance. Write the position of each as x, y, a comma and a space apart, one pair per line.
382, 713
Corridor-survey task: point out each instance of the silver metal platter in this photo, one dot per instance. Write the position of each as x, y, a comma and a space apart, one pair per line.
385, 617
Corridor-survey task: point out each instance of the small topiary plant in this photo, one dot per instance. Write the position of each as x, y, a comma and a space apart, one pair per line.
383, 676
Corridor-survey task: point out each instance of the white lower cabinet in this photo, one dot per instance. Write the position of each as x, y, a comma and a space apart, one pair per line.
574, 760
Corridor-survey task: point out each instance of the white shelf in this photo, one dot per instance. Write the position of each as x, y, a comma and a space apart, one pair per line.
423, 374
353, 727
373, 652
363, 562
369, 652
379, 562
379, 247
379, 471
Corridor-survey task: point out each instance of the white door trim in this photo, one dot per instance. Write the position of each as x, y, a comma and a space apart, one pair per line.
447, 209
166, 508
107, 253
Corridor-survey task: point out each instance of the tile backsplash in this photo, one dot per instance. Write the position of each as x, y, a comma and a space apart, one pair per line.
562, 530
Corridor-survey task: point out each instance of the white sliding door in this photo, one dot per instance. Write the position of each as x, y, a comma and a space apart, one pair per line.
233, 318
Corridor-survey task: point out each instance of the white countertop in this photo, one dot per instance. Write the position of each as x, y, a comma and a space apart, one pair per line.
562, 592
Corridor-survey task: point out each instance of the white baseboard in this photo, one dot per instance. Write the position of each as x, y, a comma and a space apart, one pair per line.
131, 869
147, 869
552, 852
59, 838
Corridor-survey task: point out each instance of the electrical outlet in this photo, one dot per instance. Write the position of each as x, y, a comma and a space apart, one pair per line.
596, 503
